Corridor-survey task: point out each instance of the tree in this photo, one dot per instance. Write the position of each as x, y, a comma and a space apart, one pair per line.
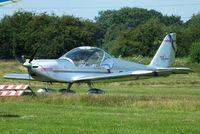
114, 21
171, 20
22, 32
195, 52
143, 40
193, 26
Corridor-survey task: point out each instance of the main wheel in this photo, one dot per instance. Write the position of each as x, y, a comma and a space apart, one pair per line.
66, 91
95, 91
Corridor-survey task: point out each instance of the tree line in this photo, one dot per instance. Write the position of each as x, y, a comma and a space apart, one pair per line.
22, 32
125, 32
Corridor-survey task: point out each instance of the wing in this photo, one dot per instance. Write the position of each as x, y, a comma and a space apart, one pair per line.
122, 76
18, 76
134, 75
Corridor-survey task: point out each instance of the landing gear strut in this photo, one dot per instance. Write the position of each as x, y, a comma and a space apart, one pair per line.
67, 90
46, 89
94, 90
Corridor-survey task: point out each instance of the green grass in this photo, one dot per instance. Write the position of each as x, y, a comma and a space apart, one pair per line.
168, 105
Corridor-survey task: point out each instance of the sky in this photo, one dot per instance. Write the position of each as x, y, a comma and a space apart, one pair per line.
88, 9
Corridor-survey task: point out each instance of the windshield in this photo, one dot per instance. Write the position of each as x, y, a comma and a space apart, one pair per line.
85, 56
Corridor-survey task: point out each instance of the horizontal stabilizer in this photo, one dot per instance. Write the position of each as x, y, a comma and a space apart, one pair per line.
177, 70
18, 76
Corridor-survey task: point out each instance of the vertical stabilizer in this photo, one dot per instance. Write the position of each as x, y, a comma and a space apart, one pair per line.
165, 55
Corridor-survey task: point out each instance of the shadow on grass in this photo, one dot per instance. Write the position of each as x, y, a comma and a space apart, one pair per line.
9, 116
4, 115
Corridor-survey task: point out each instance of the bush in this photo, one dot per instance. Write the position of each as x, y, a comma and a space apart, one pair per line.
195, 52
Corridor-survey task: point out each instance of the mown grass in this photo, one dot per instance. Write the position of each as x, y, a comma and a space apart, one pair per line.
168, 105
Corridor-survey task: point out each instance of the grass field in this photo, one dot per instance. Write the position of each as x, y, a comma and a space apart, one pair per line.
168, 105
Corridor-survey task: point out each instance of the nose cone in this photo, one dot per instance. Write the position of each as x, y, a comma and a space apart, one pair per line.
27, 64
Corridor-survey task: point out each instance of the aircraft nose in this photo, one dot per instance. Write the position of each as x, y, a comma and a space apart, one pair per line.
30, 65
27, 64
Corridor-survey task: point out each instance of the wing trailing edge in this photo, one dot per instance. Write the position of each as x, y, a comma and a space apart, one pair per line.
123, 76
134, 75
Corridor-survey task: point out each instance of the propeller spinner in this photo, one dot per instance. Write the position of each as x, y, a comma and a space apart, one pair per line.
28, 64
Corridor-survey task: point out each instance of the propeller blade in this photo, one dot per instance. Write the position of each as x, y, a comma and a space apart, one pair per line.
33, 55
20, 60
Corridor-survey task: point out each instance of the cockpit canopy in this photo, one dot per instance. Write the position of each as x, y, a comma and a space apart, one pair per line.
89, 57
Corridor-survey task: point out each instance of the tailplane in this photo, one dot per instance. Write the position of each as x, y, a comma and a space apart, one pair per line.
165, 55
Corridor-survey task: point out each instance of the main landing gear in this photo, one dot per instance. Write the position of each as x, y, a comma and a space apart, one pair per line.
90, 91
68, 90
94, 90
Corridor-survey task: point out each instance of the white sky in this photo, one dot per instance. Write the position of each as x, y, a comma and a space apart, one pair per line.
88, 9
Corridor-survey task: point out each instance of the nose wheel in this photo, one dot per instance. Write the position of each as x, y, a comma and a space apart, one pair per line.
94, 90
46, 89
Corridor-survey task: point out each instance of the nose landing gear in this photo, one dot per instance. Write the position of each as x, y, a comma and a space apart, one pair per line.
46, 89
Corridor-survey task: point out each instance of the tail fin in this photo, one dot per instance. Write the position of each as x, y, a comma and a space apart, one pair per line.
165, 55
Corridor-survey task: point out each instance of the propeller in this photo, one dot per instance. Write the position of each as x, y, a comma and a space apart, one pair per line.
28, 64
20, 60
32, 56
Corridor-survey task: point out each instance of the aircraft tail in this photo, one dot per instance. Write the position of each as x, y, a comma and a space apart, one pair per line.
165, 55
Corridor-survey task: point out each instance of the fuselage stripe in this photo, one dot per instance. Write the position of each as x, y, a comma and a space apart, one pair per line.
69, 71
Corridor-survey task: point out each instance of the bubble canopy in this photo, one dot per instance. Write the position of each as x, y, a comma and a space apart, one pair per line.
88, 56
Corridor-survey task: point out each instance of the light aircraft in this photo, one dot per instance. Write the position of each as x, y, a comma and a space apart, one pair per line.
90, 64
5, 2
